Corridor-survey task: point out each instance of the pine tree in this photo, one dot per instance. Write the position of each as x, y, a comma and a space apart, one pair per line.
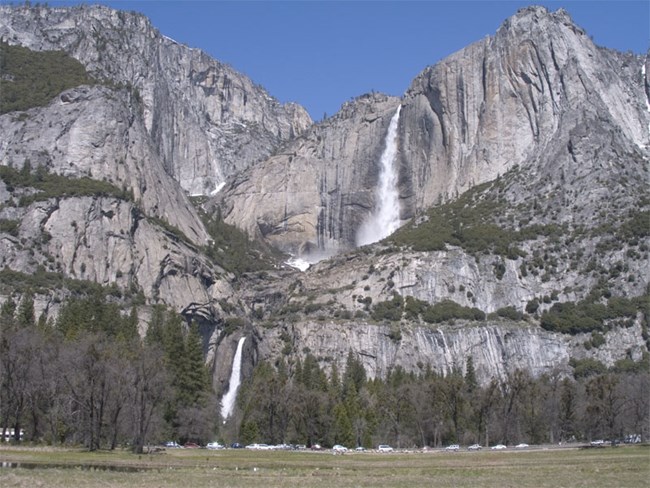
26, 317
7, 313
156, 330
128, 326
470, 375
343, 432
195, 382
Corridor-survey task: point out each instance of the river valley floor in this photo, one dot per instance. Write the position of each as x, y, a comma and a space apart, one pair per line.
625, 466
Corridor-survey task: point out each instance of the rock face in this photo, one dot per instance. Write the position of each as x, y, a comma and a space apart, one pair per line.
205, 120
166, 121
496, 349
555, 127
310, 198
506, 100
512, 99
98, 132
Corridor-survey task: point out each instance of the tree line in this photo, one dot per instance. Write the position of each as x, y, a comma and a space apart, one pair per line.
89, 379
299, 403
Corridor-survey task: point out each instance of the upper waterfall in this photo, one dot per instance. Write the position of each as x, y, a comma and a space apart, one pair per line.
228, 400
385, 219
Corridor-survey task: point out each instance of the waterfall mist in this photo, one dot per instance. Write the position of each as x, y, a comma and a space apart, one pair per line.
384, 220
228, 400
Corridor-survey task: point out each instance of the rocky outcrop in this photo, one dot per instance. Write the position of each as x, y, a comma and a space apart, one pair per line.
109, 241
205, 120
517, 99
97, 132
506, 100
310, 198
496, 349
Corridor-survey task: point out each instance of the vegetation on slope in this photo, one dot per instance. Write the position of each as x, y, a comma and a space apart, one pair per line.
414, 309
31, 79
50, 185
588, 315
43, 282
230, 247
468, 222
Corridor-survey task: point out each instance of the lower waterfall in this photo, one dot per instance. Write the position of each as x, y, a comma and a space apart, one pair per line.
228, 400
385, 218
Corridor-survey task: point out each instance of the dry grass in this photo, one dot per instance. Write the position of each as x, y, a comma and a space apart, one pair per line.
627, 466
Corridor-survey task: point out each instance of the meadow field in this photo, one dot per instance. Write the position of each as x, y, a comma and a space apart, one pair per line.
625, 466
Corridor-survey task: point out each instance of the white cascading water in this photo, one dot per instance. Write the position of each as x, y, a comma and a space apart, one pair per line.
228, 400
385, 218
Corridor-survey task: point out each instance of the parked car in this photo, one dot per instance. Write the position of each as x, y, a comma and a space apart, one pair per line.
259, 447
339, 448
172, 445
214, 445
360, 449
521, 446
475, 447
452, 447
384, 448
316, 447
191, 445
598, 443
236, 445
498, 447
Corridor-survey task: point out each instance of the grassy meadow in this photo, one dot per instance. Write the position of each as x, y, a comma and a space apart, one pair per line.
627, 466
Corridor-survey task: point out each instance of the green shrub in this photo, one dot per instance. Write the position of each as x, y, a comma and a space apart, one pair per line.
587, 316
532, 306
10, 226
231, 324
389, 309
50, 185
583, 368
32, 78
510, 313
597, 339
448, 310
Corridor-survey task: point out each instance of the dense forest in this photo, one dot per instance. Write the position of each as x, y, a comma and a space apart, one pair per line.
89, 379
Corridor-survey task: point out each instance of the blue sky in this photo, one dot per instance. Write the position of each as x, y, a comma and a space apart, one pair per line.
322, 53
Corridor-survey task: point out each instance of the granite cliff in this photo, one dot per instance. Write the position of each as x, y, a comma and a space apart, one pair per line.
509, 100
523, 184
205, 120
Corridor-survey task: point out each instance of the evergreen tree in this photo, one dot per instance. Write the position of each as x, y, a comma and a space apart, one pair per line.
335, 383
470, 375
354, 371
26, 317
7, 313
343, 431
128, 326
156, 330
194, 383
